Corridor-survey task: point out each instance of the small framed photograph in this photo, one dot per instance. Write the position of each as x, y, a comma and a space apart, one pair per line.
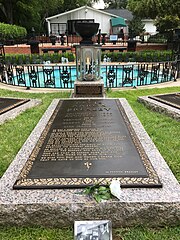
93, 230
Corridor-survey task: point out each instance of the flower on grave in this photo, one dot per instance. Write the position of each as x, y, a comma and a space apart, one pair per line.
115, 188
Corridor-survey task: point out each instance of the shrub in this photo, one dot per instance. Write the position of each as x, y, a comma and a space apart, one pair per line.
144, 56
37, 59
157, 38
11, 32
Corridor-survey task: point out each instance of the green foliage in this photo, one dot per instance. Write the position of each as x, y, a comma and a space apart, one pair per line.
158, 38
35, 233
37, 59
143, 56
8, 31
15, 132
20, 12
33, 13
167, 22
144, 8
133, 233
143, 233
69, 4
163, 130
98, 192
166, 12
154, 8
115, 3
136, 27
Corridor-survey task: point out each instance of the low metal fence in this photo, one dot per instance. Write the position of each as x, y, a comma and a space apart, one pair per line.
64, 76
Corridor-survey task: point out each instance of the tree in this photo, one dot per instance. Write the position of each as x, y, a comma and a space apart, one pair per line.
53, 7
6, 8
166, 22
144, 8
18, 12
154, 8
72, 4
117, 4
136, 27
165, 12
33, 13
11, 32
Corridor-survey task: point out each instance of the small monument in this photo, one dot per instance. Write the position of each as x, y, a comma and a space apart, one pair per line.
88, 61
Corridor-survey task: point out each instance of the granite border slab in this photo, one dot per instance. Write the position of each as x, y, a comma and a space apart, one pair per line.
61, 207
12, 113
160, 107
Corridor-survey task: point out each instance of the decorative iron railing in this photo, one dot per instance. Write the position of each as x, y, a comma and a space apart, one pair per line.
113, 75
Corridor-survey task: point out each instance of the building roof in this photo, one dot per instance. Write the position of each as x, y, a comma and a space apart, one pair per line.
124, 13
80, 8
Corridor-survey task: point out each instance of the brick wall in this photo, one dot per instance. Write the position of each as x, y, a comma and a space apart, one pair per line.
143, 47
25, 49
17, 50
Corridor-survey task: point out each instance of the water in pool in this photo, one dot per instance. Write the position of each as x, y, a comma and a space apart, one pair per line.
112, 76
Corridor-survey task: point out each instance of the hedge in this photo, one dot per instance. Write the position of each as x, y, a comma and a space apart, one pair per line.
11, 32
37, 59
146, 56
141, 56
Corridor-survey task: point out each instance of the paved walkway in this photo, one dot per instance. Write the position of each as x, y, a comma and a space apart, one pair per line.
49, 90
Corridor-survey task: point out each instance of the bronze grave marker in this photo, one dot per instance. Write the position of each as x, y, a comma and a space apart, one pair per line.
7, 104
87, 142
172, 99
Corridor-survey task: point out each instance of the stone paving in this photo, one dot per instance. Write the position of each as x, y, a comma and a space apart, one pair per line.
40, 90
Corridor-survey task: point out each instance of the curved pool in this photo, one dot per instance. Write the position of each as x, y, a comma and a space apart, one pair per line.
114, 76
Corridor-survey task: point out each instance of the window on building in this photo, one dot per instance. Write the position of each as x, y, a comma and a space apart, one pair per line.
71, 23
58, 28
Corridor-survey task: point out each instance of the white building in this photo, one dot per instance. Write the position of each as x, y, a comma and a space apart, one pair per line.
111, 21
64, 22
149, 26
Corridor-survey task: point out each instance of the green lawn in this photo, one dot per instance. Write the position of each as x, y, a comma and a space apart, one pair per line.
15, 132
163, 130
134, 233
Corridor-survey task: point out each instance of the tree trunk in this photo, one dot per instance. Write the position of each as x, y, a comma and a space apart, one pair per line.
9, 11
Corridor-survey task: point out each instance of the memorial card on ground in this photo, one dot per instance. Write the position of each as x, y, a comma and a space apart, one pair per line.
87, 142
93, 230
7, 104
